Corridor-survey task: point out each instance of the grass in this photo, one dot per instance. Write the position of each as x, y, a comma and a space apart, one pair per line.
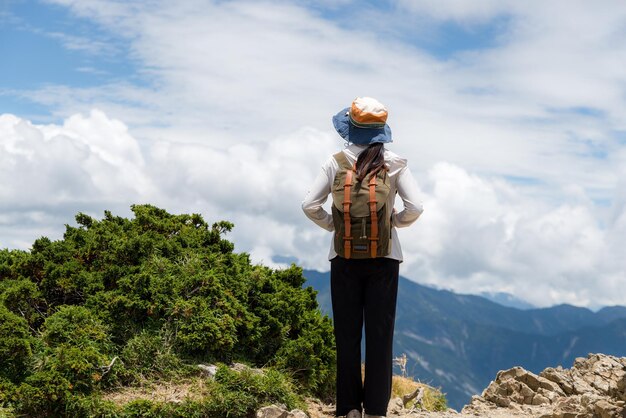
433, 400
185, 389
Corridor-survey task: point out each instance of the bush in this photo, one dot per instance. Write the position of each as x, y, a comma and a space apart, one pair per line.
7, 396
76, 326
253, 388
157, 291
89, 406
23, 297
74, 353
43, 394
15, 346
311, 357
147, 356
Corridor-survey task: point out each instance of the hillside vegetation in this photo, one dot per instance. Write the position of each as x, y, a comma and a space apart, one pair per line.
120, 303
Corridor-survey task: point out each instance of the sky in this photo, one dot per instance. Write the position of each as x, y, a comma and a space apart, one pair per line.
512, 116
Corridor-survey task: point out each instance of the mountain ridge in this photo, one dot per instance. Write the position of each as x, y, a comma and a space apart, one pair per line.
459, 342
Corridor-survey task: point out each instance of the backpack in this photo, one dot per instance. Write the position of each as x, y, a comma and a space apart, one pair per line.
361, 215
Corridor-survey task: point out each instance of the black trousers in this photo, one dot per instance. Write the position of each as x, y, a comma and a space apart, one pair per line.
364, 291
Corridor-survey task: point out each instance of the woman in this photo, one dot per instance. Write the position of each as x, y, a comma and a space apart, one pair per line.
363, 290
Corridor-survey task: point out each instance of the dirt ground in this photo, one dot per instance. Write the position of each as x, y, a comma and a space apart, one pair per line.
319, 410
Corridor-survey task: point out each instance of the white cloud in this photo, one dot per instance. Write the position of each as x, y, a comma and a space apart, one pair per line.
77, 43
251, 71
477, 234
460, 10
91, 163
87, 158
51, 172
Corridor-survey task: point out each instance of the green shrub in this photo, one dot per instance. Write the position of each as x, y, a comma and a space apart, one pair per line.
88, 406
77, 326
23, 297
6, 413
147, 356
7, 397
76, 347
311, 357
15, 346
157, 291
253, 388
204, 328
43, 394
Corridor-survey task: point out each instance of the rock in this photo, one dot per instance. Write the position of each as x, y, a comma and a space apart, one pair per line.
276, 411
604, 409
539, 400
520, 386
595, 387
296, 413
272, 411
395, 407
208, 370
559, 377
240, 367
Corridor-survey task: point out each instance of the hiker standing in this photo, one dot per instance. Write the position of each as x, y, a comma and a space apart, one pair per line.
365, 252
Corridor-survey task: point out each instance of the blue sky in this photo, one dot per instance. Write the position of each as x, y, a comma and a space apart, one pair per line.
44, 44
512, 122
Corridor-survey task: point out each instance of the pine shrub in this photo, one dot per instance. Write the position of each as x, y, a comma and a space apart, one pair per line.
120, 301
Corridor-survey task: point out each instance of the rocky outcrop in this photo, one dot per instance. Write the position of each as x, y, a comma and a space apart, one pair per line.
595, 387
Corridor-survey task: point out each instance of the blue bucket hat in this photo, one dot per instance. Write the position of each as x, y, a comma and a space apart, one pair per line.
364, 123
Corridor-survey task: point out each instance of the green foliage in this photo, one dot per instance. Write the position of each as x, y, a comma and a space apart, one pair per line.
6, 413
156, 292
147, 356
22, 297
77, 326
84, 406
15, 345
7, 394
436, 400
253, 389
43, 394
308, 357
236, 394
76, 347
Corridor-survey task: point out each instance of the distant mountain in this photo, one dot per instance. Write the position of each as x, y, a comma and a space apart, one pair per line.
506, 299
460, 342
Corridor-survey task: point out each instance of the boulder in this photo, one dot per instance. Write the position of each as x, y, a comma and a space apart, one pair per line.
395, 407
208, 370
595, 387
278, 411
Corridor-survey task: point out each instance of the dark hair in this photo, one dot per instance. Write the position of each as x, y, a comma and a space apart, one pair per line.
370, 160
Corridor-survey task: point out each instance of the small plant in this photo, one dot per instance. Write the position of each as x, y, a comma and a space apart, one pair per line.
401, 362
254, 388
147, 356
432, 399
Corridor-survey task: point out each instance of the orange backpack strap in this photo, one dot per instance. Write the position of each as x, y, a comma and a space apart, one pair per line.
347, 189
373, 217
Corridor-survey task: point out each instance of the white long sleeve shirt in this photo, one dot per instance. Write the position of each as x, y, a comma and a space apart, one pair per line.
401, 181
